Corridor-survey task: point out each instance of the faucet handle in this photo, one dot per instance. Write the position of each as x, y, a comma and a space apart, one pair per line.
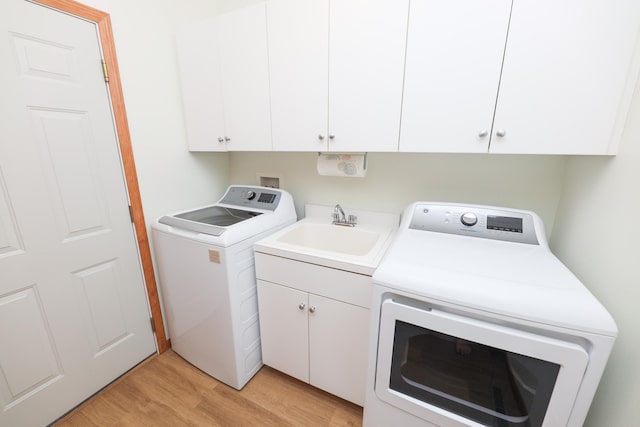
336, 216
353, 219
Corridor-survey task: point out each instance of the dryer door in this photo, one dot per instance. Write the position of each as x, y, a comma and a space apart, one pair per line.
453, 370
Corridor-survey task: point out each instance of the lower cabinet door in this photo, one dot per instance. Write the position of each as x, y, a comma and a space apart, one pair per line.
284, 329
338, 344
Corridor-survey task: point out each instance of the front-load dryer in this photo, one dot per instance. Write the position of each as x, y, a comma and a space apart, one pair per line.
476, 323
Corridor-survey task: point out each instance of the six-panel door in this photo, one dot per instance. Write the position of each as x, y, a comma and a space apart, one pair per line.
73, 306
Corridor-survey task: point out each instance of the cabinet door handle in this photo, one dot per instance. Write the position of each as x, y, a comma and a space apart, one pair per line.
501, 133
331, 136
321, 137
227, 139
301, 306
312, 309
220, 140
483, 133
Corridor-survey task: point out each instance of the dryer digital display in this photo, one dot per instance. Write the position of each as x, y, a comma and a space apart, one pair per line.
504, 223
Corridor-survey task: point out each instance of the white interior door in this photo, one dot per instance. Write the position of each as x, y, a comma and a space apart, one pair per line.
73, 309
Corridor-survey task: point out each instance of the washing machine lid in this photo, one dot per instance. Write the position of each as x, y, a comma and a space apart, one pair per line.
211, 220
243, 212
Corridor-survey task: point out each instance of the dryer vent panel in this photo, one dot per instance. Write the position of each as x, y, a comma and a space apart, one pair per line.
269, 181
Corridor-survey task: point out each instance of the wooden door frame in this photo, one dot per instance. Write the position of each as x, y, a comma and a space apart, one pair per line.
103, 22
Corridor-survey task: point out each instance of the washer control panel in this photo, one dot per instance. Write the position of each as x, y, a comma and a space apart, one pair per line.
252, 197
475, 221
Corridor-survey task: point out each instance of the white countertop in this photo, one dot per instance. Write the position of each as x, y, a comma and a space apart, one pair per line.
382, 224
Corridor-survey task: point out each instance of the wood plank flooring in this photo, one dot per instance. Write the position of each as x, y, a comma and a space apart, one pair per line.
168, 391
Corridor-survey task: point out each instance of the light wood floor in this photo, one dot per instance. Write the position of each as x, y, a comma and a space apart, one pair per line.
168, 391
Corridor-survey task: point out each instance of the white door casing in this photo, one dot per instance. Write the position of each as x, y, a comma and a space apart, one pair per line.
73, 309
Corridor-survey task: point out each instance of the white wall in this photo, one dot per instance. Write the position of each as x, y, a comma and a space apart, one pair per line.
394, 180
597, 236
170, 177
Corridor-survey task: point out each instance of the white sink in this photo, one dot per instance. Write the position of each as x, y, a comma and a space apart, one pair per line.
315, 240
331, 238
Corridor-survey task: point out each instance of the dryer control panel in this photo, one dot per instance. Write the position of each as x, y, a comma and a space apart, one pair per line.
476, 221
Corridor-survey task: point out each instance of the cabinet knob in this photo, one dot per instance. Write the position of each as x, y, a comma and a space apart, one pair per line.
312, 309
220, 140
501, 133
301, 306
331, 136
483, 133
321, 137
227, 139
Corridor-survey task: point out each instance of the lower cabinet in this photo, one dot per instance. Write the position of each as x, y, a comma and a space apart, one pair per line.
315, 339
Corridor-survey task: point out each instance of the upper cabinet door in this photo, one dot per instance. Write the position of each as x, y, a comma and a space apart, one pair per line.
454, 57
564, 81
298, 34
197, 48
367, 40
244, 64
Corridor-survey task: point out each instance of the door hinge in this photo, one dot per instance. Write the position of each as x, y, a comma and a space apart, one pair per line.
153, 325
105, 71
131, 213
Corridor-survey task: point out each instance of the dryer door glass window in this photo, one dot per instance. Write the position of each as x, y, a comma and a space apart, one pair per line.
489, 385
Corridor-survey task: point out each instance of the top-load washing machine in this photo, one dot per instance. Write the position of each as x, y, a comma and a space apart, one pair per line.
476, 323
206, 269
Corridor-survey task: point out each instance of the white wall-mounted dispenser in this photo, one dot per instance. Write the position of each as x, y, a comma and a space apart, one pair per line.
342, 164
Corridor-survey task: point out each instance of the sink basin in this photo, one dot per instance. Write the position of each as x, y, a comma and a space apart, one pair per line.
331, 238
315, 240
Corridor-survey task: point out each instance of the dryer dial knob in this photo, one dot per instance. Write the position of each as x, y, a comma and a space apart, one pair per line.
250, 195
469, 219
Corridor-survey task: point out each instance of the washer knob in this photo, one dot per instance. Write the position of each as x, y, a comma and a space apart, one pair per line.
469, 218
250, 195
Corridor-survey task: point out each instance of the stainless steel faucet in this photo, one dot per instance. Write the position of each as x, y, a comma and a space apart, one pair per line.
339, 217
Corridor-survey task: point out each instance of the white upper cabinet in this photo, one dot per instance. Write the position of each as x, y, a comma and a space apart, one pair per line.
466, 76
563, 87
199, 65
245, 76
564, 80
336, 72
224, 76
367, 41
454, 56
298, 59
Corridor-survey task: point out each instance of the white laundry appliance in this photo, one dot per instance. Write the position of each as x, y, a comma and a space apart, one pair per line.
207, 276
476, 323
